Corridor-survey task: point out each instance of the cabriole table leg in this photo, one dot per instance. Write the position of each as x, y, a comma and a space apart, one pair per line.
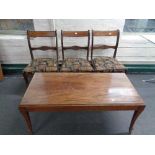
135, 116
26, 116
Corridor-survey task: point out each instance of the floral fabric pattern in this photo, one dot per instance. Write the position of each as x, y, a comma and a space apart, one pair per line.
107, 64
42, 65
76, 65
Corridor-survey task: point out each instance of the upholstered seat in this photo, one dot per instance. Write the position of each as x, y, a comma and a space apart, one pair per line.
41, 65
76, 65
107, 64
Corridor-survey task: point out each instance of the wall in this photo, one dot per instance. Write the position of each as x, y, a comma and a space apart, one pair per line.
132, 48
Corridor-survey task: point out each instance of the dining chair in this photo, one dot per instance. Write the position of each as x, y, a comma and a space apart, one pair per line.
106, 63
75, 64
41, 64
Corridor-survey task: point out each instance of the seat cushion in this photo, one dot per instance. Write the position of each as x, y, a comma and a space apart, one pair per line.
76, 65
41, 65
107, 64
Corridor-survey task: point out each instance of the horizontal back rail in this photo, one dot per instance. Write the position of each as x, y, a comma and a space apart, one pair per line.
103, 47
75, 33
105, 33
75, 47
35, 34
44, 48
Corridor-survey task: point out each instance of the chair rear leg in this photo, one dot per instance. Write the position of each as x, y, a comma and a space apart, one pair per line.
25, 75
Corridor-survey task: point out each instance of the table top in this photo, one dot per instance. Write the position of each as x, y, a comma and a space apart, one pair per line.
83, 89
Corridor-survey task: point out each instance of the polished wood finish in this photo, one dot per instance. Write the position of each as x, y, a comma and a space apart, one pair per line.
81, 92
80, 89
105, 33
102, 34
75, 34
1, 73
41, 34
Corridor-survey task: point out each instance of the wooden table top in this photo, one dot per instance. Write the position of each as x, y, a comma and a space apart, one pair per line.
80, 89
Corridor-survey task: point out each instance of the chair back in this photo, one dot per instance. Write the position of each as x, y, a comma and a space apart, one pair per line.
103, 46
74, 34
35, 34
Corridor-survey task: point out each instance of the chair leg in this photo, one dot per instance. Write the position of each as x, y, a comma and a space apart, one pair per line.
25, 75
126, 71
92, 65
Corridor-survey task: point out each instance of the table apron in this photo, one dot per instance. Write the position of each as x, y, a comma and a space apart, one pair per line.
78, 108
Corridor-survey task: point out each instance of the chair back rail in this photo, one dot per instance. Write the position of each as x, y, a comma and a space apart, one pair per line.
44, 48
104, 34
41, 34
75, 34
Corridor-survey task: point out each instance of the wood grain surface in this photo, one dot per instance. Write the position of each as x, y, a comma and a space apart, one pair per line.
80, 89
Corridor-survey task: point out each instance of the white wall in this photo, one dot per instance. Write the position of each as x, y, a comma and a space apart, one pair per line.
132, 48
85, 24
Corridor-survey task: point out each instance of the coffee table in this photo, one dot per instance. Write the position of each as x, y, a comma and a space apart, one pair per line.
80, 92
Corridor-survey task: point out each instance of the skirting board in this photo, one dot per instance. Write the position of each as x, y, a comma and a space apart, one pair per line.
131, 68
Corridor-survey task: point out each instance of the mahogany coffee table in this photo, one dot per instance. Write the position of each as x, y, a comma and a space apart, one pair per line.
80, 92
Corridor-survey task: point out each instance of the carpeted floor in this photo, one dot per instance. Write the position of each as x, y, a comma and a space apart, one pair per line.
13, 87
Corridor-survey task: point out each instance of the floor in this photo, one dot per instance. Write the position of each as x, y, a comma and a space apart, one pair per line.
13, 87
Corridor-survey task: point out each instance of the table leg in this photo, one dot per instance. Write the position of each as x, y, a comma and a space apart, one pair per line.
135, 116
26, 116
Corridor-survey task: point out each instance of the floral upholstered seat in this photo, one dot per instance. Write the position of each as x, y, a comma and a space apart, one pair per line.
76, 65
41, 65
107, 64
